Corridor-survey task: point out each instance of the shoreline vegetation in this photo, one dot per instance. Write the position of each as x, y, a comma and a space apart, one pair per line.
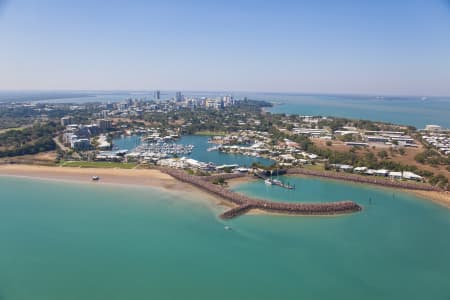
210, 133
159, 178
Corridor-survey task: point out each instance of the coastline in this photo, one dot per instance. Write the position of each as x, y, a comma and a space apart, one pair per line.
246, 203
441, 198
156, 179
128, 177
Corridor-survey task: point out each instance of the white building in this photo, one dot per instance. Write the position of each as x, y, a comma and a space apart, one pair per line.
433, 128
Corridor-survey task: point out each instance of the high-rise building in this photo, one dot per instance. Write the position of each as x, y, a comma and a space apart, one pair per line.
178, 97
66, 121
157, 95
104, 124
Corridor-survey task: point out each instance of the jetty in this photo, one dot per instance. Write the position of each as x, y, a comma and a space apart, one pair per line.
270, 181
244, 204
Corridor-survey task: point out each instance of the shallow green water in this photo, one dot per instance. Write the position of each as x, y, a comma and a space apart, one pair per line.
74, 241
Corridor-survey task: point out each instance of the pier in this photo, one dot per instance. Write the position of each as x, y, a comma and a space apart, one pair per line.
245, 204
268, 180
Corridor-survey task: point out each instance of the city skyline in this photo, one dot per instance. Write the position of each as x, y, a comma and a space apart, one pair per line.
294, 47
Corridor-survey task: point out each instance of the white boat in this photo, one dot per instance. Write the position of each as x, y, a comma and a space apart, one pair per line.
277, 182
95, 178
268, 181
227, 228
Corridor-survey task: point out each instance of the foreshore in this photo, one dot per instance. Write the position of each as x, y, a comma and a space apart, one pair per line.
157, 179
111, 176
129, 177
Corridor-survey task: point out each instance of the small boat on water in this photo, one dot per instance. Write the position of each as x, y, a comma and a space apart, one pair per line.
268, 182
279, 183
95, 178
227, 228
212, 148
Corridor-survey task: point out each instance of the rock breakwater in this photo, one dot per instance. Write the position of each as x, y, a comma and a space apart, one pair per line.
245, 203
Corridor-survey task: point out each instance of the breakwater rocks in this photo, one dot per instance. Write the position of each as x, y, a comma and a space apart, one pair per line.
226, 176
245, 204
364, 179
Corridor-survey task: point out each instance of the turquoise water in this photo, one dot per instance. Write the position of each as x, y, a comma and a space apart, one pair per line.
308, 189
93, 241
398, 110
200, 151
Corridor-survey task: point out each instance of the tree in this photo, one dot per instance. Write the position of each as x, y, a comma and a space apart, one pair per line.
219, 180
382, 154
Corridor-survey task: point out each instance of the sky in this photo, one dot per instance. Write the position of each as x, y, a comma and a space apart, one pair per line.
361, 46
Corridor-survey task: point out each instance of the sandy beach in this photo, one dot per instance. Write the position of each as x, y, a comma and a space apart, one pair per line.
442, 198
139, 177
111, 176
151, 178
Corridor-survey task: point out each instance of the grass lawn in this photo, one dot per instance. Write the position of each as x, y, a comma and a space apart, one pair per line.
8, 129
316, 167
98, 164
210, 133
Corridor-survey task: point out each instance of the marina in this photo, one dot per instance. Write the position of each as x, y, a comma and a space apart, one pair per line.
194, 147
225, 150
163, 149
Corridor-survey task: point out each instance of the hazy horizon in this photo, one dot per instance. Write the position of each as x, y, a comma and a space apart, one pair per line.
387, 48
173, 90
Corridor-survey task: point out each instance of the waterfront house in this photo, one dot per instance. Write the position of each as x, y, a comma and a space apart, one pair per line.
360, 169
395, 175
411, 176
382, 172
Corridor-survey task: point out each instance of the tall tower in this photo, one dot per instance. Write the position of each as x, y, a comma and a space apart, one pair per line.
178, 97
157, 95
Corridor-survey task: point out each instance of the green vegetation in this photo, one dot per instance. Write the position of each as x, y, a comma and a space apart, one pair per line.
210, 122
211, 133
337, 123
27, 115
439, 180
29, 140
432, 157
220, 181
383, 154
256, 165
369, 159
98, 164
